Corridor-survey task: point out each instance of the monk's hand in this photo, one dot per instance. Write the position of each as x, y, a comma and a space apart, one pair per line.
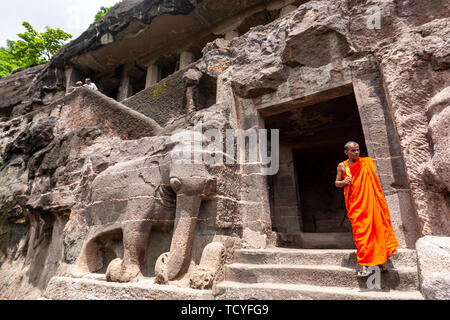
348, 181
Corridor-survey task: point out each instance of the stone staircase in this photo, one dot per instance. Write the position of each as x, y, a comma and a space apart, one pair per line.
301, 274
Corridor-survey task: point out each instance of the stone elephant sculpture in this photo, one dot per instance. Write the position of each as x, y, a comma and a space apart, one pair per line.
131, 198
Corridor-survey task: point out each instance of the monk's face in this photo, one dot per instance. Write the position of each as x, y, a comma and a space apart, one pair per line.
353, 152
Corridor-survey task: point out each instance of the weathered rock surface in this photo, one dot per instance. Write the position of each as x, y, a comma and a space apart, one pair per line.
50, 159
52, 156
411, 85
434, 265
29, 89
15, 91
436, 171
273, 62
117, 20
128, 24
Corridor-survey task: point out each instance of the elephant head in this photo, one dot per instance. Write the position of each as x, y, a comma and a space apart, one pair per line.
192, 183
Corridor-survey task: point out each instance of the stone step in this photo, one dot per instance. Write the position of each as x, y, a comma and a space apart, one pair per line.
327, 240
402, 279
269, 291
95, 288
344, 258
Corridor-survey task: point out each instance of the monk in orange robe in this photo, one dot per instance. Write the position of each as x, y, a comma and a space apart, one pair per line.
367, 210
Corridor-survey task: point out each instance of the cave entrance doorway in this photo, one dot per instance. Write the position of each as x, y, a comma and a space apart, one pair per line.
307, 210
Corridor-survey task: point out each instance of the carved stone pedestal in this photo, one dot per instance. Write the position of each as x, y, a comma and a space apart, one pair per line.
95, 287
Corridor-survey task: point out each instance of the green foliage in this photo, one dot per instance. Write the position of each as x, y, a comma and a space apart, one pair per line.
7, 62
37, 48
102, 12
33, 48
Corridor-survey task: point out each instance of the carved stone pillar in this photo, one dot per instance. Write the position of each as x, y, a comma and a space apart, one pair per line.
153, 75
186, 58
125, 89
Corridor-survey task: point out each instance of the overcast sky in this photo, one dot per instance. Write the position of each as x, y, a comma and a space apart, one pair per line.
72, 16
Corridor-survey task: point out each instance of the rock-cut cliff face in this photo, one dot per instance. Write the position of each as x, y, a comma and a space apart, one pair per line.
117, 20
54, 147
48, 165
27, 90
50, 160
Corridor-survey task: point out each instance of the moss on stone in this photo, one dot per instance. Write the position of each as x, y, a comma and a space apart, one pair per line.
183, 86
159, 90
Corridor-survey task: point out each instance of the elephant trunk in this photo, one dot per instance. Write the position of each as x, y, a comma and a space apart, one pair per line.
188, 207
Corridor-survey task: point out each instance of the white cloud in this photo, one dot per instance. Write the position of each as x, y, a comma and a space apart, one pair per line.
72, 16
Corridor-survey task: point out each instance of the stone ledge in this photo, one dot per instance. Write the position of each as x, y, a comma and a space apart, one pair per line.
274, 291
60, 288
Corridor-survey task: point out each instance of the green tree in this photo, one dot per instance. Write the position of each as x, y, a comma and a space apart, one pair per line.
37, 48
102, 12
7, 62
33, 48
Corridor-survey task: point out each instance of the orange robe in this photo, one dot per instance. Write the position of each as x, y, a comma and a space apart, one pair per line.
369, 214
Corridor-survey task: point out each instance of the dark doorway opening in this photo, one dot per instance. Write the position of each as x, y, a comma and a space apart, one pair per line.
322, 204
138, 81
168, 65
305, 201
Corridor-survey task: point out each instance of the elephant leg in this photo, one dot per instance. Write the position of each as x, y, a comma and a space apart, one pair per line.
171, 264
136, 236
135, 242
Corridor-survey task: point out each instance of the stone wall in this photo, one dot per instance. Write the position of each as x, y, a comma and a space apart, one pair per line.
163, 101
321, 51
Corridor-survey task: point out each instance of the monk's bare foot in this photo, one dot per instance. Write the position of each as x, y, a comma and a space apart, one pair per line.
364, 272
383, 268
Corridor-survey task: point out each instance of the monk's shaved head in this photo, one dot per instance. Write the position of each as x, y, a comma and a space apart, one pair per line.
350, 144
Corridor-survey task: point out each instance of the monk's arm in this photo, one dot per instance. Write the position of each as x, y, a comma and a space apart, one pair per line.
340, 182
